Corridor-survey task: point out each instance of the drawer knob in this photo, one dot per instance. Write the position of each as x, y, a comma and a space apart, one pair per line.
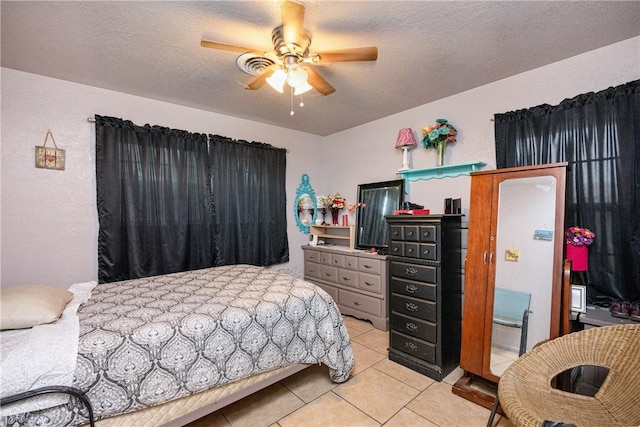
410, 250
411, 327
346, 278
396, 249
410, 271
367, 266
328, 274
356, 303
412, 307
426, 251
410, 233
412, 289
426, 234
368, 284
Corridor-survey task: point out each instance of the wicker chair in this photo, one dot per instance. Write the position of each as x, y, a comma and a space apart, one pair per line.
528, 399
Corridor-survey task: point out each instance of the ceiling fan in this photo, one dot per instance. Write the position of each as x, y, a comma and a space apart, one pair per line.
290, 60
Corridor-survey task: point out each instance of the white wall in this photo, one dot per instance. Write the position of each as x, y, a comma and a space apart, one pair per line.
367, 154
49, 220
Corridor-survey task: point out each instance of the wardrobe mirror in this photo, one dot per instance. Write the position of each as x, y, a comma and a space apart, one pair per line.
524, 259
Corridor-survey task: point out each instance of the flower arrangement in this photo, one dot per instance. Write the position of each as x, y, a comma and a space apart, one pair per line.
338, 202
441, 132
324, 201
305, 202
352, 207
578, 236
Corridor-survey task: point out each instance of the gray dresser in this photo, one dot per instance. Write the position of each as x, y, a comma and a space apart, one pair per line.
425, 280
356, 280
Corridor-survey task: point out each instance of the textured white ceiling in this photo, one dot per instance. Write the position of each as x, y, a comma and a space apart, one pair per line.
427, 50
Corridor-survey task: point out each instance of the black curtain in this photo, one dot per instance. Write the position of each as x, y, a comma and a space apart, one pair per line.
251, 226
598, 134
169, 200
154, 200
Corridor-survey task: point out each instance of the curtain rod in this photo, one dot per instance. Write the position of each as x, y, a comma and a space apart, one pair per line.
93, 120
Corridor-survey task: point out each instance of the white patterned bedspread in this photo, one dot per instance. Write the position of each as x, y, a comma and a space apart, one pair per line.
146, 341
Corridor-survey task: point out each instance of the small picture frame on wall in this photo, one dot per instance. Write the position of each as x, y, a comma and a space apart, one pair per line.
579, 298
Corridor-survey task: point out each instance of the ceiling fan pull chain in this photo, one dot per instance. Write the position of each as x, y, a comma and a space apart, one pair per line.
301, 101
292, 112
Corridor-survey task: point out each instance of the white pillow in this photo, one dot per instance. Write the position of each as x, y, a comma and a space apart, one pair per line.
25, 306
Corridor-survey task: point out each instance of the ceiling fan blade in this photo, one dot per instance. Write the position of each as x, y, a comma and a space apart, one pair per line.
227, 47
318, 82
262, 78
292, 22
348, 55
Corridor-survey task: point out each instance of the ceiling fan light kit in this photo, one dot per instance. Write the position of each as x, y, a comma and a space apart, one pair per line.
290, 61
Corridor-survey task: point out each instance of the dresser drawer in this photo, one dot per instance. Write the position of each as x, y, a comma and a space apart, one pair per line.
351, 262
414, 346
333, 292
397, 232
312, 256
337, 260
411, 233
369, 265
414, 307
370, 282
414, 289
312, 269
414, 327
428, 233
360, 302
329, 273
422, 273
428, 251
325, 258
348, 277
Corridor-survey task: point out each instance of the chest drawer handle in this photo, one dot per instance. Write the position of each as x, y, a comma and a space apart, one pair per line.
410, 233
411, 346
426, 234
412, 289
412, 307
396, 250
368, 284
328, 274
356, 303
426, 251
367, 266
411, 327
346, 278
410, 271
410, 250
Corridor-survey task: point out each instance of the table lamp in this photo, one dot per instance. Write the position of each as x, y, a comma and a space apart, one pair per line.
405, 141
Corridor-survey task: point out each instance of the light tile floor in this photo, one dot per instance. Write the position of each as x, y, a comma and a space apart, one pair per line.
379, 393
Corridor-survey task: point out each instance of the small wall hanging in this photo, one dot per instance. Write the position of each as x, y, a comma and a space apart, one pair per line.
49, 157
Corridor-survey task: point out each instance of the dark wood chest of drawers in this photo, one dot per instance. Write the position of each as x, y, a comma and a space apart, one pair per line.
425, 284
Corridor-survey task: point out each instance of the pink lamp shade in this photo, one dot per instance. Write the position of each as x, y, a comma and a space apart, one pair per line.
405, 141
405, 138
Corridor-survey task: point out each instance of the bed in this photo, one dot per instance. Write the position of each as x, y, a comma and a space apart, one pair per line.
169, 349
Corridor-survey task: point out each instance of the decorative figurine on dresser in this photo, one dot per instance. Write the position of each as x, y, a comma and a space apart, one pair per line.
425, 280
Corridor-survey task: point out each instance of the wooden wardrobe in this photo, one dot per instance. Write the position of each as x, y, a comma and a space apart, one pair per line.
515, 243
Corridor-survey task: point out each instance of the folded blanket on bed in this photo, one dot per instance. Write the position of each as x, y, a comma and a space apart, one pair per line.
44, 355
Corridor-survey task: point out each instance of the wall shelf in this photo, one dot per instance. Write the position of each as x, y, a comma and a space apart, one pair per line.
437, 172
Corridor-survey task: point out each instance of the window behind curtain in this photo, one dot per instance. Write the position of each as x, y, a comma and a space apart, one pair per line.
251, 226
599, 135
158, 212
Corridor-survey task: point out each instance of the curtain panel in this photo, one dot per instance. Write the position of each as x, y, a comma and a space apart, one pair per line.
251, 223
170, 200
598, 134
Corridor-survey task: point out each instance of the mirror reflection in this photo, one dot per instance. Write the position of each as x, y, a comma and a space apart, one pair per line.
304, 205
523, 268
379, 199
